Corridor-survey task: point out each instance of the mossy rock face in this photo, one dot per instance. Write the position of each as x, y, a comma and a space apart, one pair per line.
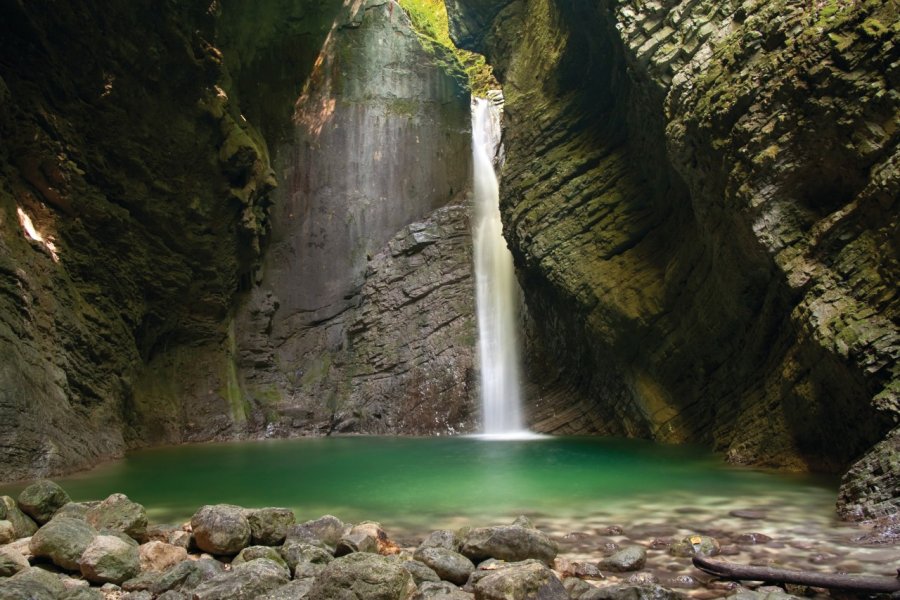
703, 219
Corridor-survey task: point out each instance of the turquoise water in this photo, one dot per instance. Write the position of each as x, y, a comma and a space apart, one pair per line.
418, 484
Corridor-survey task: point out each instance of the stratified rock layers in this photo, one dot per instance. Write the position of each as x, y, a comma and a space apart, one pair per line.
700, 197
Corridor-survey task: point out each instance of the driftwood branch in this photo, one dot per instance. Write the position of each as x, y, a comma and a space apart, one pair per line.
855, 583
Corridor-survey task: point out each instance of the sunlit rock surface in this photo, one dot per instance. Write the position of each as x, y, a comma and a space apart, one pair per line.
701, 198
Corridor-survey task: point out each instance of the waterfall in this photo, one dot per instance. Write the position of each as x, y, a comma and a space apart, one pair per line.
496, 293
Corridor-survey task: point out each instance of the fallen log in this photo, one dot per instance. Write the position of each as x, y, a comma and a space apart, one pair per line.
850, 583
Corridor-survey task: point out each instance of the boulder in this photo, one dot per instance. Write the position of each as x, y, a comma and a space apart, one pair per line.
187, 575
633, 592
7, 532
512, 543
109, 559
695, 545
32, 584
221, 529
420, 572
63, 540
76, 510
254, 552
449, 565
86, 593
327, 530
121, 514
42, 499
631, 558
142, 582
443, 538
22, 523
158, 556
298, 589
527, 580
366, 537
11, 562
269, 526
363, 576
247, 581
441, 591
296, 551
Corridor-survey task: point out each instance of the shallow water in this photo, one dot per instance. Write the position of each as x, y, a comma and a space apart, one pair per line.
591, 494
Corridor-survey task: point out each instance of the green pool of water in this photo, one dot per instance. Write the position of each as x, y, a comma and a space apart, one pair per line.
418, 484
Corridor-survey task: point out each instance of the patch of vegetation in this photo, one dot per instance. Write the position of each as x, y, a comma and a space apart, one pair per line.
429, 18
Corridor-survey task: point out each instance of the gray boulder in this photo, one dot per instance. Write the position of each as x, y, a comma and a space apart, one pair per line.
7, 532
42, 499
296, 552
269, 526
368, 536
632, 592
420, 572
298, 589
63, 540
631, 558
32, 584
109, 559
449, 565
512, 543
363, 576
221, 529
443, 538
247, 581
254, 552
86, 593
76, 510
11, 562
327, 530
441, 591
121, 514
22, 523
527, 580
187, 575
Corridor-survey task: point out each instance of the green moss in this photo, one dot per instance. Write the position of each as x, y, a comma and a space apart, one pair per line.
404, 107
842, 42
874, 28
232, 387
317, 371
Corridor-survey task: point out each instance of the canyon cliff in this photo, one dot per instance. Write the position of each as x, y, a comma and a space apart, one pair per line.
701, 200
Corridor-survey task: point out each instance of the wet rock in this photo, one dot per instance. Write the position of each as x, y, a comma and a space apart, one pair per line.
682, 581
247, 581
661, 543
581, 570
749, 539
11, 562
295, 552
158, 556
63, 540
509, 542
221, 529
187, 575
745, 594
612, 530
420, 572
633, 592
32, 584
42, 499
254, 552
443, 538
576, 588
632, 558
441, 591
529, 580
695, 545
118, 512
363, 576
327, 530
269, 526
449, 565
22, 523
641, 579
109, 559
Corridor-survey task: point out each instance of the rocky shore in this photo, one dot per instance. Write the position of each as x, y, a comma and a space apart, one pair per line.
55, 549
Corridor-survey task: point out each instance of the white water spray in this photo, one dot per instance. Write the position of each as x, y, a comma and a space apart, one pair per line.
496, 290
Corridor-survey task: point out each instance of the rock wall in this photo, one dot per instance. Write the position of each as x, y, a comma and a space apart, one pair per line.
701, 200
350, 323
135, 200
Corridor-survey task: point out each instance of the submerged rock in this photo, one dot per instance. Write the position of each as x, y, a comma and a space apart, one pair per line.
221, 529
63, 540
632, 558
508, 542
42, 499
363, 576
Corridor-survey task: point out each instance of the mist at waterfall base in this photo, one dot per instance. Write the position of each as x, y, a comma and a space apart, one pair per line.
496, 289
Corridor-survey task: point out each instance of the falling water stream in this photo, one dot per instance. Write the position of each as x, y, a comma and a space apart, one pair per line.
497, 293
